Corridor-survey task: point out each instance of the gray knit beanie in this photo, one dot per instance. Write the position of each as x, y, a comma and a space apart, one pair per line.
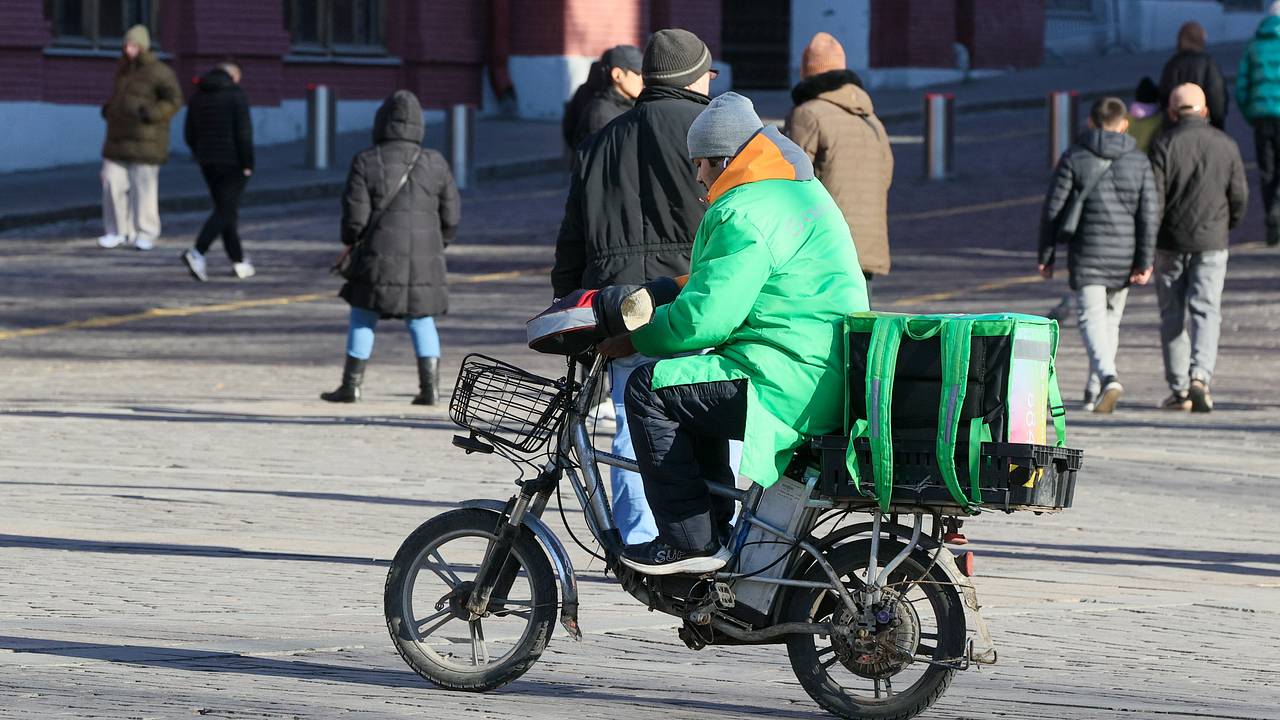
675, 58
724, 127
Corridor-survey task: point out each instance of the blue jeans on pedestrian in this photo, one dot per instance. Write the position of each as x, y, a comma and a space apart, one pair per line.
631, 511
426, 342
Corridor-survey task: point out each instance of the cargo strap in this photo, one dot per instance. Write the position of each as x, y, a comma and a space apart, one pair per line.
956, 337
1056, 409
882, 362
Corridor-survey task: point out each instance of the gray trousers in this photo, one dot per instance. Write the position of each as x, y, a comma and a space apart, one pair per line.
1189, 285
131, 199
1098, 312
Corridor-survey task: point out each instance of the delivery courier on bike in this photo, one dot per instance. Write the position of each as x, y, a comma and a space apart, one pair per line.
773, 274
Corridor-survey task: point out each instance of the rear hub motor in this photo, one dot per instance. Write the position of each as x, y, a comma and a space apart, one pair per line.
884, 651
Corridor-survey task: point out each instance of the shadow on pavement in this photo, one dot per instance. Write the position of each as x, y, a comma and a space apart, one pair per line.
292, 494
145, 548
226, 662
196, 416
1225, 562
1163, 553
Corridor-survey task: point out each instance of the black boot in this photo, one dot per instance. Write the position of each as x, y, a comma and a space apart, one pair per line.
428, 381
352, 378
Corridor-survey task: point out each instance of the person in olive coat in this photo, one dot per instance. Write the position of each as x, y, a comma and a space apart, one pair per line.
143, 100
396, 238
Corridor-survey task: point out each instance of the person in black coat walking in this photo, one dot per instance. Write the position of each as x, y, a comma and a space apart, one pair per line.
1191, 64
219, 132
622, 66
1200, 176
1111, 183
634, 207
400, 210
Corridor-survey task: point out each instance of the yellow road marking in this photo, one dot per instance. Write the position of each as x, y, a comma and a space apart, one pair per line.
952, 294
968, 209
106, 321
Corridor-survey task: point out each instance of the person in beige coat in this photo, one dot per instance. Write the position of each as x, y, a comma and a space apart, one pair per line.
835, 123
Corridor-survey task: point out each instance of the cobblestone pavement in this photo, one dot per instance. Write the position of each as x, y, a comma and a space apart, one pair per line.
187, 531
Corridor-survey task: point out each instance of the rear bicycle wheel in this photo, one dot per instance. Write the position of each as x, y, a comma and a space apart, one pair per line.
427, 588
901, 668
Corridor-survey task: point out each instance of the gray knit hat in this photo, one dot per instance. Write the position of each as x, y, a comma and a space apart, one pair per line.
724, 127
675, 58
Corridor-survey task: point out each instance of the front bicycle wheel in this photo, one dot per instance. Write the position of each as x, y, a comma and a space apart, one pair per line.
427, 588
894, 671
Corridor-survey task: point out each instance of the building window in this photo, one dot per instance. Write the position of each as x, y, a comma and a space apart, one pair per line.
97, 23
336, 27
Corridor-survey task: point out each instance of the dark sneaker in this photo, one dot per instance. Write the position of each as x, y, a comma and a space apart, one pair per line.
1090, 400
1273, 236
1110, 395
1178, 402
658, 558
1199, 397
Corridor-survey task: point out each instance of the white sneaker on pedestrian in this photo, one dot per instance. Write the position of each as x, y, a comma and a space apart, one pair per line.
144, 242
243, 270
110, 240
196, 264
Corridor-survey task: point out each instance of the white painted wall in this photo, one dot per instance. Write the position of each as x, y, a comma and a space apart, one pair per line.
848, 20
36, 135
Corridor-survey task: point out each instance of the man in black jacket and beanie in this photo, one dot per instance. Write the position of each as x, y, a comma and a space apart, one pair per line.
1109, 181
634, 207
220, 134
1200, 175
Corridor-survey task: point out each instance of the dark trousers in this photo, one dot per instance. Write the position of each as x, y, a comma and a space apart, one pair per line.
681, 437
226, 183
1266, 139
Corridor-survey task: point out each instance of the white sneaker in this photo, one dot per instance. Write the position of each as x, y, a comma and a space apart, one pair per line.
144, 242
110, 240
243, 270
196, 264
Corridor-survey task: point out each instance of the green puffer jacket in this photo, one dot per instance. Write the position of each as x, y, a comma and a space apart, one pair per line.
773, 274
145, 98
1258, 79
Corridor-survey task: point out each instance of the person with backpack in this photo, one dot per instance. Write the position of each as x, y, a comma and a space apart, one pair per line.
1103, 203
400, 209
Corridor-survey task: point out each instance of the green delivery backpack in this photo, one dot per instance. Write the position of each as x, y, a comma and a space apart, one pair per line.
967, 379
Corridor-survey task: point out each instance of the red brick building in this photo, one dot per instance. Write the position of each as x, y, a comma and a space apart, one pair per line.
57, 57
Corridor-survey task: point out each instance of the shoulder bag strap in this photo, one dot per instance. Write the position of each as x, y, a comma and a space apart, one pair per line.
1071, 215
376, 216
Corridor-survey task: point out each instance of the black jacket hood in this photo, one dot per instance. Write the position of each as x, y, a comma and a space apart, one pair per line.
215, 80
1106, 144
810, 88
399, 118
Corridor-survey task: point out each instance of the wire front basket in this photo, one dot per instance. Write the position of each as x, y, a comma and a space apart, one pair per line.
506, 405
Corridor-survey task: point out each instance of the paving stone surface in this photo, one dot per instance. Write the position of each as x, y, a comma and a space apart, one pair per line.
185, 530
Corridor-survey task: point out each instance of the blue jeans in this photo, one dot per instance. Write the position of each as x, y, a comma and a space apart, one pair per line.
631, 511
426, 342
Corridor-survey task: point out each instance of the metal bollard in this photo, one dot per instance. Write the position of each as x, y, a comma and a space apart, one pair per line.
1064, 110
460, 142
939, 135
322, 126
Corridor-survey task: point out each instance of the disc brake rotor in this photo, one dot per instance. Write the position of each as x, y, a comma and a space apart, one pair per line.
884, 652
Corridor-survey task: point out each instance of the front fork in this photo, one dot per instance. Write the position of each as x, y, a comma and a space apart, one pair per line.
498, 569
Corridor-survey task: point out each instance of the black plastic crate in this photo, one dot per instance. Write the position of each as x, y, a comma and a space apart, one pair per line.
1012, 476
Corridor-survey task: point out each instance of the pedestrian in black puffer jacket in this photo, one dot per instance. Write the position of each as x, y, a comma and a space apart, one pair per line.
634, 203
219, 132
1191, 64
398, 270
1114, 243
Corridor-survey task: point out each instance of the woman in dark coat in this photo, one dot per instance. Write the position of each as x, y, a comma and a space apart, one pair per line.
398, 270
1191, 64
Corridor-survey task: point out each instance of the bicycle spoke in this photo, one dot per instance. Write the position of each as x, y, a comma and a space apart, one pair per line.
444, 572
828, 663
876, 682
507, 601
478, 648
522, 614
447, 616
926, 650
888, 687
827, 649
